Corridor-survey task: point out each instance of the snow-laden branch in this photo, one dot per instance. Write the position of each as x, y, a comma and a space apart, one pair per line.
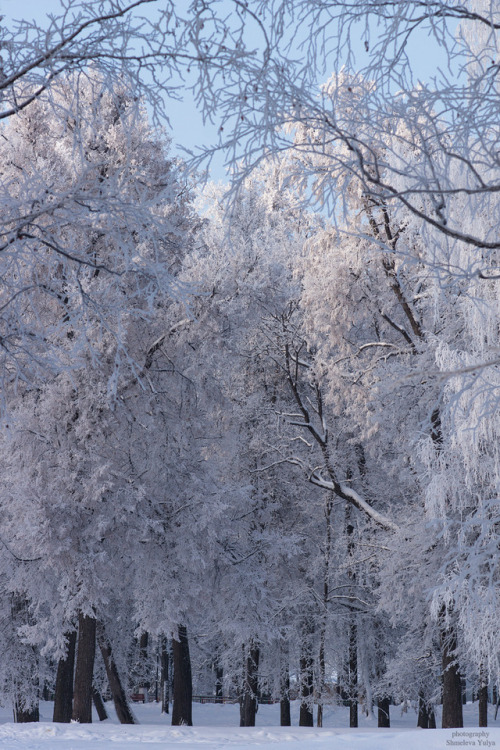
354, 498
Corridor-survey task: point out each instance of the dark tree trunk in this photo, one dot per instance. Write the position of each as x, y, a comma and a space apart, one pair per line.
99, 705
285, 718
248, 700
384, 718
285, 715
452, 684
319, 715
84, 671
432, 718
353, 630
483, 704
353, 673
123, 712
423, 713
63, 700
306, 718
452, 687
144, 684
165, 681
183, 685
321, 686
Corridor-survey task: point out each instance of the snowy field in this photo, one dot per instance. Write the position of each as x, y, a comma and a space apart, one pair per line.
216, 728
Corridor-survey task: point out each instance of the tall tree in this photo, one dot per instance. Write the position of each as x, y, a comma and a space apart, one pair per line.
72, 438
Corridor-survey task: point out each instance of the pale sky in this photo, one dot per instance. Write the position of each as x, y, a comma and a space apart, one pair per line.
188, 128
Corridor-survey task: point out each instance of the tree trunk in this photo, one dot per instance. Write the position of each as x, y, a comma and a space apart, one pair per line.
123, 712
82, 696
183, 685
219, 681
306, 718
99, 705
285, 718
319, 715
353, 630
164, 677
321, 686
63, 700
452, 685
248, 700
483, 700
384, 718
423, 713
144, 683
320, 690
353, 673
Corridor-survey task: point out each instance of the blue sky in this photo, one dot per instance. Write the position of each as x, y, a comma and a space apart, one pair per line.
187, 124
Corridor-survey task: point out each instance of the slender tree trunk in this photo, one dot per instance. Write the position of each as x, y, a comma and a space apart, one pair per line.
306, 718
248, 700
183, 685
165, 681
123, 712
85, 655
285, 718
452, 685
63, 700
483, 698
353, 631
326, 597
353, 673
319, 715
144, 684
99, 705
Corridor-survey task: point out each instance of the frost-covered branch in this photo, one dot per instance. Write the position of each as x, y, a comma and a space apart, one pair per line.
345, 492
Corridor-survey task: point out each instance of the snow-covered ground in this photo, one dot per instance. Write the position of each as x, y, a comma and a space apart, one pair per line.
216, 728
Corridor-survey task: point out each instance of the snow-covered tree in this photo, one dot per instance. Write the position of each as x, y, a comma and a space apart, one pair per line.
76, 448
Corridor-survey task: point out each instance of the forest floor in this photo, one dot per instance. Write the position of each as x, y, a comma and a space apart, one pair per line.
216, 728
